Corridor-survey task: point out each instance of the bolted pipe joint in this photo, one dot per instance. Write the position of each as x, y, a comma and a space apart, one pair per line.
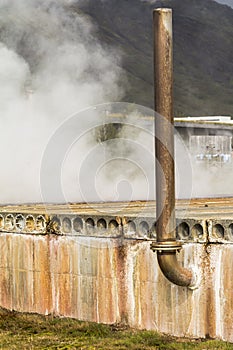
167, 260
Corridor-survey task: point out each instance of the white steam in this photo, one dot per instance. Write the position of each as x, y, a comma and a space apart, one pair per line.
50, 67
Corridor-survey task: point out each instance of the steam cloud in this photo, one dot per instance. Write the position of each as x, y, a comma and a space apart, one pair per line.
50, 67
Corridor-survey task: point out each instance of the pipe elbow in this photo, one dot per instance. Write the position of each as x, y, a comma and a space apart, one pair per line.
174, 272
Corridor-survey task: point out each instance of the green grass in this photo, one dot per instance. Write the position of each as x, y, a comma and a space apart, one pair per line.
28, 331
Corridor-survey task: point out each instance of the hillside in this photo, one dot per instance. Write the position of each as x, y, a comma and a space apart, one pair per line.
203, 45
203, 50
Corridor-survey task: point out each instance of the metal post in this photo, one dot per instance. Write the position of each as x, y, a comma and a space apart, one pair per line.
166, 245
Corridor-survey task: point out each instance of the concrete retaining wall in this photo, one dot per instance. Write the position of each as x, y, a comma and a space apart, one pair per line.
94, 262
117, 280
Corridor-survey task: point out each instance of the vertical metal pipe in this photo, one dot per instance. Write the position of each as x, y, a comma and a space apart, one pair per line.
166, 245
164, 142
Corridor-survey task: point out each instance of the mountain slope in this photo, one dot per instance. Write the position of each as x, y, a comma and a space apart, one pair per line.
203, 50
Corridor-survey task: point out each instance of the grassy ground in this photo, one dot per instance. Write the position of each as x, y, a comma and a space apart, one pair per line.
24, 331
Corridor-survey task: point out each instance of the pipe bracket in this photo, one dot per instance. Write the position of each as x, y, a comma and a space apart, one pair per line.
167, 246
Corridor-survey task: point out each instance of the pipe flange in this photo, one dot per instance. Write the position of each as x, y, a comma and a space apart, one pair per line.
168, 246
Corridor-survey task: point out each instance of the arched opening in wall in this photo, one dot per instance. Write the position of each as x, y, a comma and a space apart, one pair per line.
66, 225
183, 230
90, 225
40, 223
30, 223
230, 229
143, 229
101, 224
197, 231
131, 228
153, 230
20, 222
1, 222
55, 225
78, 225
9, 222
218, 231
113, 226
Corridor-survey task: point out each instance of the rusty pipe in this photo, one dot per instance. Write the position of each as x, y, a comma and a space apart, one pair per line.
166, 244
173, 271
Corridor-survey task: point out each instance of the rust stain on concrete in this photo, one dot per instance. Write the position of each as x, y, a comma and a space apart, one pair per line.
115, 278
120, 265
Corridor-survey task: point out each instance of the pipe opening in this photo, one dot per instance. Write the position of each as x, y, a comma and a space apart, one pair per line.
90, 225
113, 226
40, 223
131, 227
30, 223
66, 225
143, 228
153, 231
230, 229
9, 222
19, 222
1, 222
218, 231
197, 231
78, 225
183, 230
56, 225
101, 224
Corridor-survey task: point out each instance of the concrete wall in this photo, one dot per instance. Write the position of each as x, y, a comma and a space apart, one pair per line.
117, 280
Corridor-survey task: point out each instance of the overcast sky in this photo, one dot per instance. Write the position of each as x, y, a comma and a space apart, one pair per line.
227, 2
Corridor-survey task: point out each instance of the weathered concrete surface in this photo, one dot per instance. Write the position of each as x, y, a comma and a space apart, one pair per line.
116, 279
105, 280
